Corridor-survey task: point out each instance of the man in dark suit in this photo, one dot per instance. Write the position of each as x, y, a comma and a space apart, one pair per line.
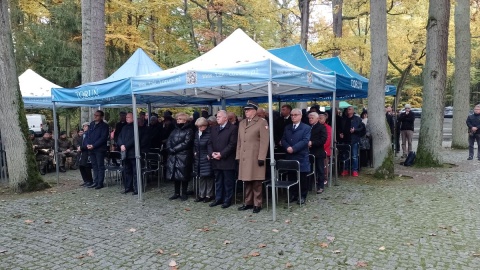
96, 140
221, 149
283, 121
295, 143
318, 137
126, 142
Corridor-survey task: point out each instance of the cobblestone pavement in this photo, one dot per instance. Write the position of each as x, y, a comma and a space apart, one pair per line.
429, 221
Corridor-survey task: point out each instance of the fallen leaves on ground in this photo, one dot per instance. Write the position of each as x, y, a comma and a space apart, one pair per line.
48, 221
288, 221
275, 230
382, 248
254, 254
90, 252
361, 264
159, 251
262, 245
3, 250
433, 234
187, 209
174, 254
226, 242
336, 251
474, 254
29, 221
132, 230
204, 229
330, 238
288, 265
324, 245
252, 220
173, 265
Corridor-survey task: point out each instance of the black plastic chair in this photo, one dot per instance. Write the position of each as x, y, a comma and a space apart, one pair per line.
313, 172
114, 169
152, 165
283, 182
343, 154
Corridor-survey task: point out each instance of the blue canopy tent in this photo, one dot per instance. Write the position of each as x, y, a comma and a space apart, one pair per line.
350, 78
236, 69
349, 84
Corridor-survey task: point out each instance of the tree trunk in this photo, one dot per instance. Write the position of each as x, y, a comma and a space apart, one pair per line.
98, 40
304, 6
434, 82
461, 86
337, 13
86, 53
382, 150
22, 168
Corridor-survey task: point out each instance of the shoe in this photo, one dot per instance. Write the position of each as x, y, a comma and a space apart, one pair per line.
469, 158
92, 185
98, 187
226, 205
62, 169
126, 191
174, 197
83, 184
355, 174
199, 200
215, 203
190, 192
344, 173
184, 197
207, 199
135, 193
301, 201
245, 207
292, 199
256, 209
320, 191
87, 184
73, 168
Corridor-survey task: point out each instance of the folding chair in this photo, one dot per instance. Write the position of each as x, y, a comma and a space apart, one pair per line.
281, 167
114, 169
313, 172
152, 163
343, 154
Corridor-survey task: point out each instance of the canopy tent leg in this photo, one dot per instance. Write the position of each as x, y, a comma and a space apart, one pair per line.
137, 151
272, 151
55, 128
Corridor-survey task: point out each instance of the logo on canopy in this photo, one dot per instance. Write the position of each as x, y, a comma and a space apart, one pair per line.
191, 77
356, 84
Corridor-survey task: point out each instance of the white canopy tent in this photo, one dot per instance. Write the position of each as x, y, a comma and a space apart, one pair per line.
236, 69
35, 90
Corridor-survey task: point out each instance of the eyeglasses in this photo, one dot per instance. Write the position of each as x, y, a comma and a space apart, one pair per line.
295, 114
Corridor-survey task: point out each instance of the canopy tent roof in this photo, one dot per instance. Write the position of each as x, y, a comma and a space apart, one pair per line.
116, 89
354, 80
237, 68
36, 90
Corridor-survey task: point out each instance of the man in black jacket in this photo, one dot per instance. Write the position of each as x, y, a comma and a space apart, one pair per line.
222, 148
350, 130
318, 137
96, 140
473, 123
126, 142
283, 121
407, 120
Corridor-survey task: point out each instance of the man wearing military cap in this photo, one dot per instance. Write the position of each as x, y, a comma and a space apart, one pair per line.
43, 148
252, 148
65, 149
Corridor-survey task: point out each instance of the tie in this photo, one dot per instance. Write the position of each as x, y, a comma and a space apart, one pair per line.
221, 128
294, 127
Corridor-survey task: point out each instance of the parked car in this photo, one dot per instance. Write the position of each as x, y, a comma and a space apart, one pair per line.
417, 111
448, 112
37, 123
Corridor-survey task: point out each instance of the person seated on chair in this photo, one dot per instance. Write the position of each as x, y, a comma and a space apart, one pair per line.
295, 142
44, 147
65, 149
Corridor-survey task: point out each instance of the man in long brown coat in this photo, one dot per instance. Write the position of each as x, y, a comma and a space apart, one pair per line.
252, 147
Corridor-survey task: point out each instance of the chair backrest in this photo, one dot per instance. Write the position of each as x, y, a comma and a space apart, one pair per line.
153, 160
343, 151
287, 165
115, 155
